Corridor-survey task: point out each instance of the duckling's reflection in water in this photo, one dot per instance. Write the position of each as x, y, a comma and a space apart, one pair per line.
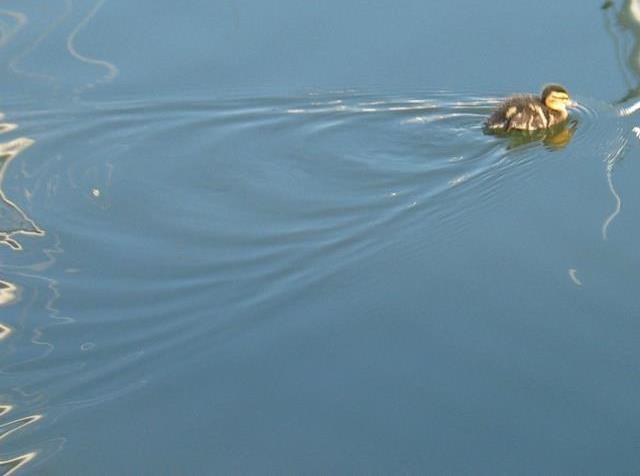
553, 138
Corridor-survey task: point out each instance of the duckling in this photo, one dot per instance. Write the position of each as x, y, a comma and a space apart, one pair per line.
530, 113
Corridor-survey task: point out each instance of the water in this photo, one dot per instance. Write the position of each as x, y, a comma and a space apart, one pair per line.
246, 238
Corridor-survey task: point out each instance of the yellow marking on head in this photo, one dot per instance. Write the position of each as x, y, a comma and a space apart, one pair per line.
557, 101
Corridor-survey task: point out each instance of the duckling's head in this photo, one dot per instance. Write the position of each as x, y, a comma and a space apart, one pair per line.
557, 98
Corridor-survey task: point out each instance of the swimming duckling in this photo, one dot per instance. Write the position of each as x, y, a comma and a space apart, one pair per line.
530, 113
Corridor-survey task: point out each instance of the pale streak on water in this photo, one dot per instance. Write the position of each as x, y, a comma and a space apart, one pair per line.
573, 274
610, 163
611, 159
111, 69
53, 25
8, 32
15, 221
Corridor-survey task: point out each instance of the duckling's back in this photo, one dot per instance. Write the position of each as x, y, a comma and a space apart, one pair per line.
525, 112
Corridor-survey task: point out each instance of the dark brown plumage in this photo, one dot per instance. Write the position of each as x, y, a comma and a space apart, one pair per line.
529, 112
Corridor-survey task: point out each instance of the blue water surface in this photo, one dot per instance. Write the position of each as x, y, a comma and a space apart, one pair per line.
247, 237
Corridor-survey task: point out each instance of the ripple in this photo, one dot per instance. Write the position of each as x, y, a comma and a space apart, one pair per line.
348, 167
347, 163
251, 203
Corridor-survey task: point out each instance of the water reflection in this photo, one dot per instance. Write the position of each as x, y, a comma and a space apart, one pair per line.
555, 138
4, 331
12, 464
612, 158
618, 22
27, 293
111, 70
13, 220
13, 22
8, 295
15, 63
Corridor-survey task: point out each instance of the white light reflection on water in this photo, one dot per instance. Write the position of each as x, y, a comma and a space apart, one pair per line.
17, 21
111, 69
12, 464
8, 293
13, 222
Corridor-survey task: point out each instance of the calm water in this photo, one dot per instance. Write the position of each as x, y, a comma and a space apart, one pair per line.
247, 237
